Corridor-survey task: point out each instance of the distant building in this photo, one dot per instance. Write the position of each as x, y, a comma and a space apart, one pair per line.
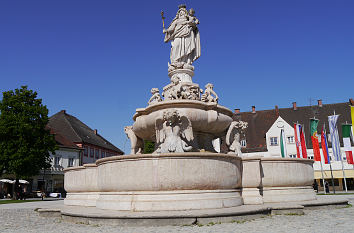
94, 145
263, 134
78, 144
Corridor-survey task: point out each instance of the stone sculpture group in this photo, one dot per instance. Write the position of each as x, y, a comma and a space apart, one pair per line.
173, 129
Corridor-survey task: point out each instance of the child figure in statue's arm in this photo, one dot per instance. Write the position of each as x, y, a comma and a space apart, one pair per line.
192, 19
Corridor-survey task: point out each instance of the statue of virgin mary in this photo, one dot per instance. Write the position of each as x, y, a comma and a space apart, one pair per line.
185, 38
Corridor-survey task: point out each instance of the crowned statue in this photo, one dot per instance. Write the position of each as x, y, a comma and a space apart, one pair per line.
184, 36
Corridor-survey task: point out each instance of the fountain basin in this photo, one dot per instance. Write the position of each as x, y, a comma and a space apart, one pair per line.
179, 181
81, 185
206, 118
269, 180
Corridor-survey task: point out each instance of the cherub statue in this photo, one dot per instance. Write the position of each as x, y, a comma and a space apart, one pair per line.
190, 92
137, 144
174, 133
173, 90
233, 136
155, 96
208, 94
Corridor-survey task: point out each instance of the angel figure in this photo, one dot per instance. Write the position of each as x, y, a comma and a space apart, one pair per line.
208, 94
174, 133
155, 96
233, 136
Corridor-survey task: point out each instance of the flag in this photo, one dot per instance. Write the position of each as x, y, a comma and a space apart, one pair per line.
303, 142
346, 142
297, 141
332, 120
324, 145
352, 110
314, 139
283, 144
300, 141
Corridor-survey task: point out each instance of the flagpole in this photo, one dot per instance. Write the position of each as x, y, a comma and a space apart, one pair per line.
341, 159
329, 159
313, 151
323, 181
334, 190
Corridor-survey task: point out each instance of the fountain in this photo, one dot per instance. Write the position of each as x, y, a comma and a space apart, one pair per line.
184, 173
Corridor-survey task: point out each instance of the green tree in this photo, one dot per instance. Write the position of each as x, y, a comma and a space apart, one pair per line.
149, 147
25, 143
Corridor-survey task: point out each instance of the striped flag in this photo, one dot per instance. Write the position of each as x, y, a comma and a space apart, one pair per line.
300, 141
297, 141
314, 139
283, 149
346, 142
324, 145
332, 120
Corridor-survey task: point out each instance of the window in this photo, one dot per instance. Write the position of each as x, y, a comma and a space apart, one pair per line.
273, 141
243, 143
71, 162
97, 154
103, 154
56, 161
293, 156
310, 157
85, 151
291, 139
92, 152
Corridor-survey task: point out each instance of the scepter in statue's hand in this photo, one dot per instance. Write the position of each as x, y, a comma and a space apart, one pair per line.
163, 22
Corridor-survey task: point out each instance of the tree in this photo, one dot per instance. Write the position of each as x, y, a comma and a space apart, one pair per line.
25, 143
149, 147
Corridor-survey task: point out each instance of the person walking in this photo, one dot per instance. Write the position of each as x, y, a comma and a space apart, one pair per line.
326, 187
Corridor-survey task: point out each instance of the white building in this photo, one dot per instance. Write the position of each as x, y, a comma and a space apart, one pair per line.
68, 155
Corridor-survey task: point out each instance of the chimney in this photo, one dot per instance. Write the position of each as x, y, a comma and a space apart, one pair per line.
237, 111
319, 102
277, 110
351, 101
253, 109
294, 106
95, 131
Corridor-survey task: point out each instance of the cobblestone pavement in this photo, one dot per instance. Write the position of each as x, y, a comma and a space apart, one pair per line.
23, 218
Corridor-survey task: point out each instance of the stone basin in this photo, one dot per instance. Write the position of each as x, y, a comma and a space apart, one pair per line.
81, 185
275, 179
209, 120
178, 181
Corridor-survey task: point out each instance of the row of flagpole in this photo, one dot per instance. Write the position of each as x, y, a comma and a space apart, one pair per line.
301, 148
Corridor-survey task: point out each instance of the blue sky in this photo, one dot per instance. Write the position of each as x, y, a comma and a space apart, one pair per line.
98, 59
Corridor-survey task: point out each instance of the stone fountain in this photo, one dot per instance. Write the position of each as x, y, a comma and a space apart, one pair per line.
185, 172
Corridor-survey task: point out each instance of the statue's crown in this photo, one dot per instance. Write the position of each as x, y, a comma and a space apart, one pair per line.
182, 6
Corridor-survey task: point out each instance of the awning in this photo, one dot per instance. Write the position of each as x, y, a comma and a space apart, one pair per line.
7, 181
336, 174
14, 181
23, 182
